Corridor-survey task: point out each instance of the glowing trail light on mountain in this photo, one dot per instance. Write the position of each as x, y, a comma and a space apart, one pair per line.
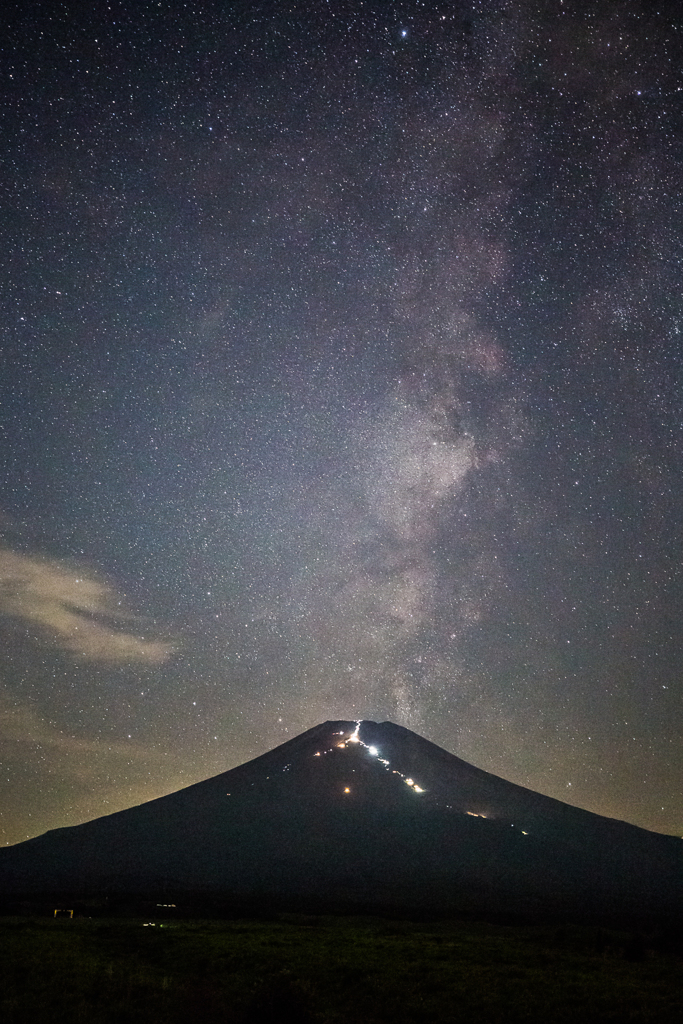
354, 738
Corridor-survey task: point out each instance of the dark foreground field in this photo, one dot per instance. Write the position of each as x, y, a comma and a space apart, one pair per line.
306, 969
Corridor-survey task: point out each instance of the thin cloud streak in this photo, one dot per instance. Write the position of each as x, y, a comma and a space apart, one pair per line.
22, 726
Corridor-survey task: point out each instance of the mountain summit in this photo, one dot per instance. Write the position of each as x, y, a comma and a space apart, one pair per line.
360, 814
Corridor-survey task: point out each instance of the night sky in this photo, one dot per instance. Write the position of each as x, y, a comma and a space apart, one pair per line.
341, 376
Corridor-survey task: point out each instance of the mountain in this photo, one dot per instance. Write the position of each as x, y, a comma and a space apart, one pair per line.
363, 815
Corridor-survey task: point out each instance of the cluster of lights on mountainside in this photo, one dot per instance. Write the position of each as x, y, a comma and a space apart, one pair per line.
354, 740
374, 752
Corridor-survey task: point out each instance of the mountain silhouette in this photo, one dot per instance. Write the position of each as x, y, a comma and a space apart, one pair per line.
363, 815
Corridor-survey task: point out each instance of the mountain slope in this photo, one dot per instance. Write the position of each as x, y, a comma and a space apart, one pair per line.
363, 814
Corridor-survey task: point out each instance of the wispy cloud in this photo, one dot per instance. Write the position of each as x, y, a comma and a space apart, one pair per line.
75, 777
21, 725
73, 609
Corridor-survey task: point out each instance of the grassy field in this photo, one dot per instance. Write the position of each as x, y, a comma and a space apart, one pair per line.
307, 969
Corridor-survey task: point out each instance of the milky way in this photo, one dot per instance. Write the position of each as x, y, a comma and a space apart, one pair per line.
341, 378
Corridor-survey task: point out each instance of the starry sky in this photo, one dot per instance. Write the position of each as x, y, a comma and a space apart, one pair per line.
341, 377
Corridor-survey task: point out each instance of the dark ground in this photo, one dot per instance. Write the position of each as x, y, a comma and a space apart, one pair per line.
307, 968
